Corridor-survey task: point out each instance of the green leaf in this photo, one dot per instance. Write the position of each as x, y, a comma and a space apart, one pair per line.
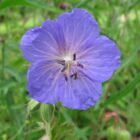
7, 84
127, 89
128, 60
77, 130
13, 72
9, 3
31, 3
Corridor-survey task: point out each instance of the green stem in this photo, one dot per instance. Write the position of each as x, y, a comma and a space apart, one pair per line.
47, 115
2, 62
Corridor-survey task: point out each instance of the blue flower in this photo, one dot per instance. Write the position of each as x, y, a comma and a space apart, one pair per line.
70, 60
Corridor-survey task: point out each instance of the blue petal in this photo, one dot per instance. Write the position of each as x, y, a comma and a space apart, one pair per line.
78, 27
47, 84
81, 93
100, 59
26, 43
44, 43
55, 29
44, 82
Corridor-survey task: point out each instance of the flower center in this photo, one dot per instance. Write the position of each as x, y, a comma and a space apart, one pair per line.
70, 65
68, 58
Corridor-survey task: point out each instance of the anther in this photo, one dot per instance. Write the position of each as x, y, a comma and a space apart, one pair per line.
66, 78
65, 67
74, 56
74, 75
80, 65
62, 62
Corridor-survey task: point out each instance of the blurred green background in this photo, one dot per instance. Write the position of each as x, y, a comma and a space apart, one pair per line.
115, 117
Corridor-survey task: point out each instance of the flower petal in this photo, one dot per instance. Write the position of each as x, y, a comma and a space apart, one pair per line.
56, 30
100, 59
81, 93
44, 43
26, 43
44, 82
78, 27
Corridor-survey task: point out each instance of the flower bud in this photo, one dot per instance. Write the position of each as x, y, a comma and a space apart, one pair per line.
124, 135
117, 134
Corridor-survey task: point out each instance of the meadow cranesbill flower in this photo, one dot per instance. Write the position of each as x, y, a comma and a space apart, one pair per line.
70, 60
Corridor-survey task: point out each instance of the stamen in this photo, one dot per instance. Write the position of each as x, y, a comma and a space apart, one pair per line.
62, 62
80, 65
66, 78
74, 75
67, 63
74, 56
65, 67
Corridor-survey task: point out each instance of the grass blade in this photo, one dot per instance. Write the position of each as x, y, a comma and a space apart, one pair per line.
127, 89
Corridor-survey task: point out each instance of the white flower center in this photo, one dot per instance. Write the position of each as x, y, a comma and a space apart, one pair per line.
70, 66
68, 58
